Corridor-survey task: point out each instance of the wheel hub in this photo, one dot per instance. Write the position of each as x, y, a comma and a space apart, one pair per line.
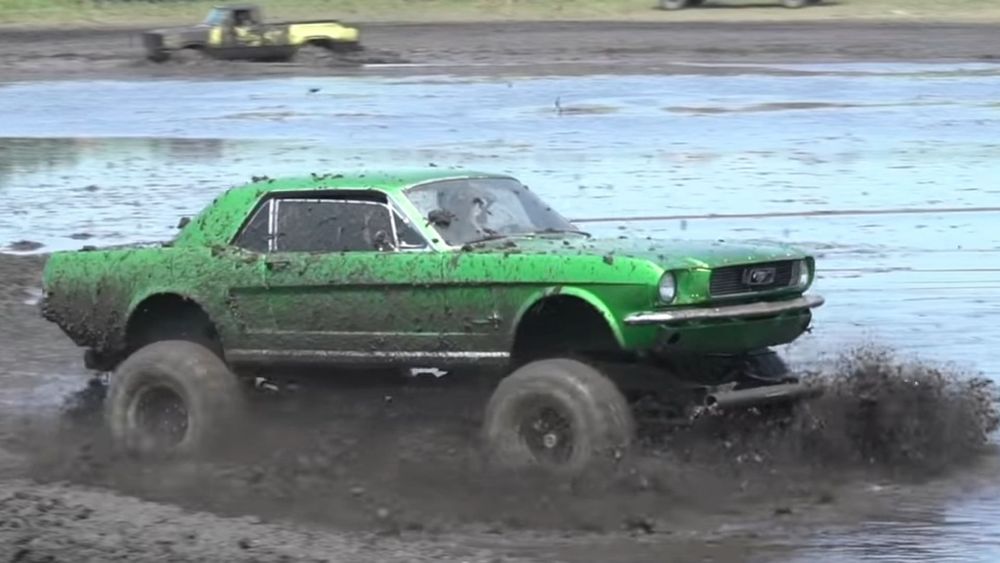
161, 416
548, 433
550, 440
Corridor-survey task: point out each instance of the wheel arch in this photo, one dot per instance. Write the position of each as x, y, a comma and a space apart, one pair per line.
584, 295
579, 307
176, 302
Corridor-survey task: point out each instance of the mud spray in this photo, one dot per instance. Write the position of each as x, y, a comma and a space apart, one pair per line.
363, 459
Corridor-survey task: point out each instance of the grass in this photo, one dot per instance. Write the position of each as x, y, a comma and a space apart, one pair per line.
145, 12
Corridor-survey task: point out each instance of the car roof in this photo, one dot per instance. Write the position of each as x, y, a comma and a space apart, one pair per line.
392, 180
219, 222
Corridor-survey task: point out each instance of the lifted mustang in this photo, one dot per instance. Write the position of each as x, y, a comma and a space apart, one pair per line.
429, 268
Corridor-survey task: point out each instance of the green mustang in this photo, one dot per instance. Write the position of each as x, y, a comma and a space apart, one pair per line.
428, 268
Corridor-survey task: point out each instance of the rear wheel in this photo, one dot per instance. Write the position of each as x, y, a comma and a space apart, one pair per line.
188, 55
172, 398
557, 414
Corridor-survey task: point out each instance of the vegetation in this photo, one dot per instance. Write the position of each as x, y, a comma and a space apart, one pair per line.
143, 12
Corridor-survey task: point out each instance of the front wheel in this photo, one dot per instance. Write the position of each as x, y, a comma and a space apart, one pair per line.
346, 47
172, 398
558, 414
158, 56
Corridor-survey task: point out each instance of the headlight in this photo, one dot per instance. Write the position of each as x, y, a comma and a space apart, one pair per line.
668, 288
804, 273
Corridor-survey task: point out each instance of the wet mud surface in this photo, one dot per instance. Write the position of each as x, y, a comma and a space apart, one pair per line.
516, 48
890, 463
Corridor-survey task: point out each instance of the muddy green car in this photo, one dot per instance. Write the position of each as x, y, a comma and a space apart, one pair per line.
463, 271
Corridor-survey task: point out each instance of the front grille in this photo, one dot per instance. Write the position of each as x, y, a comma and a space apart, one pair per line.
749, 278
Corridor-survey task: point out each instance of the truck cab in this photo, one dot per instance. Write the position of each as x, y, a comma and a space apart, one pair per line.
234, 15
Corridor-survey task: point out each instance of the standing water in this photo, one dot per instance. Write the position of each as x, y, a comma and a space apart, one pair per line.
94, 163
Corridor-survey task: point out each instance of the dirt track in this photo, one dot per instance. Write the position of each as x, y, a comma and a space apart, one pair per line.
520, 48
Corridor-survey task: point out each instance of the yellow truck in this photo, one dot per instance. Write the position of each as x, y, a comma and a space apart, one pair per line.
238, 32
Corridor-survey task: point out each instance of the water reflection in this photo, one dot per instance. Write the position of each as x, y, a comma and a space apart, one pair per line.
23, 156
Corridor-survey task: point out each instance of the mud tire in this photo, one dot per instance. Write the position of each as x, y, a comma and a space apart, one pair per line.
769, 366
158, 56
210, 394
346, 47
314, 55
599, 418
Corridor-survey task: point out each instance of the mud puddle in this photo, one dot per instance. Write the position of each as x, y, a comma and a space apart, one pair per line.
884, 431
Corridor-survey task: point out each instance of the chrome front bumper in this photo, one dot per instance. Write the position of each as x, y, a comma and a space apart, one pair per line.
762, 309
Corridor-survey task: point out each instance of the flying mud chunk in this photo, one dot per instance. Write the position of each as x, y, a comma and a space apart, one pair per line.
881, 410
468, 272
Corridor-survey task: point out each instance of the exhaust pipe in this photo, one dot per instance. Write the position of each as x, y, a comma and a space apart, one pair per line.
757, 396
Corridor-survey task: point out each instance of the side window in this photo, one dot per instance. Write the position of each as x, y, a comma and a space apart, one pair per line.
332, 226
409, 237
243, 17
255, 233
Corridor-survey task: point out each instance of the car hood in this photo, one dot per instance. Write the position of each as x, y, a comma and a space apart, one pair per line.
669, 254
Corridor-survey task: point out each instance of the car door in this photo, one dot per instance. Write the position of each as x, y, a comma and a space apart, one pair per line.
340, 283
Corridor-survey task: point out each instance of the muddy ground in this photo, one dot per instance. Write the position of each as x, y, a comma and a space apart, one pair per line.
519, 48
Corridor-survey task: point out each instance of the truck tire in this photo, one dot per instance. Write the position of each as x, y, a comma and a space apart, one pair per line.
768, 366
558, 414
172, 397
346, 47
314, 54
673, 4
158, 56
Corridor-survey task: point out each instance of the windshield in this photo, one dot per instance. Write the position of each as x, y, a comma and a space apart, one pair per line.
216, 17
475, 209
